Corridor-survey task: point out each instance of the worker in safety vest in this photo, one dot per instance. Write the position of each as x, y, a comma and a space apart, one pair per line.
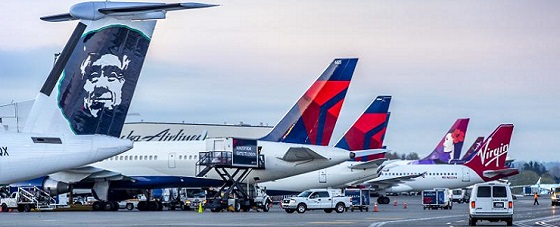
536, 196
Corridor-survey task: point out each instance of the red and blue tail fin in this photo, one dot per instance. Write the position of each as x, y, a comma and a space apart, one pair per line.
369, 130
449, 148
489, 161
312, 119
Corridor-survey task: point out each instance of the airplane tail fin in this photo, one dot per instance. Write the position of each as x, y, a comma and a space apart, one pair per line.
450, 146
90, 88
312, 119
369, 130
490, 158
474, 147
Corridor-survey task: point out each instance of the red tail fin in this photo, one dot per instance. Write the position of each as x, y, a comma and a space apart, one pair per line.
491, 156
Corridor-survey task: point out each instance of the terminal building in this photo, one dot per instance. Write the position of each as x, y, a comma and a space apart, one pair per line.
158, 131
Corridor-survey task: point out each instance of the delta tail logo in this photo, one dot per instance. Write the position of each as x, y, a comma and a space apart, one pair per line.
488, 157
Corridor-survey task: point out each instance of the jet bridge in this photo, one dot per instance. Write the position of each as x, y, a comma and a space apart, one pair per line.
240, 156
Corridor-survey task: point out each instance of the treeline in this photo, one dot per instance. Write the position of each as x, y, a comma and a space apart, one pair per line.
395, 155
529, 173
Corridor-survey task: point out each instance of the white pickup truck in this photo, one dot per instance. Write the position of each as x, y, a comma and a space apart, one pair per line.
318, 199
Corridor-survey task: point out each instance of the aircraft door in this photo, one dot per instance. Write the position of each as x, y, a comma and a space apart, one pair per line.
323, 176
466, 174
171, 160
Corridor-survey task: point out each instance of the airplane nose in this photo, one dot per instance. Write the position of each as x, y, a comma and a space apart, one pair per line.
108, 146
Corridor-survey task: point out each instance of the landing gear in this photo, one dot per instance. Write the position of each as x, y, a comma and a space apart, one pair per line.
383, 200
105, 206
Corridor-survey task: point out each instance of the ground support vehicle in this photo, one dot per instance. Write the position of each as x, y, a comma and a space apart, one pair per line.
360, 198
240, 156
27, 198
492, 202
436, 198
554, 196
318, 199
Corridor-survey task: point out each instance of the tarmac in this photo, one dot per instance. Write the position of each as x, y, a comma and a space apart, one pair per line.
526, 214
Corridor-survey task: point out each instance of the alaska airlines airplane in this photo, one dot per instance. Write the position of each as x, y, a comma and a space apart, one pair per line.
152, 165
487, 164
368, 132
77, 117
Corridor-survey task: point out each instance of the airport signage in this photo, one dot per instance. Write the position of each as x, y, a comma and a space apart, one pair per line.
245, 152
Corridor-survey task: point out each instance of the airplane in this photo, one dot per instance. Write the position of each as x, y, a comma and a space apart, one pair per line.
487, 164
368, 132
78, 115
168, 164
541, 189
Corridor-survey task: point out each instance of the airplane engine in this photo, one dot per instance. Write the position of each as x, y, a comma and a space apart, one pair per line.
55, 187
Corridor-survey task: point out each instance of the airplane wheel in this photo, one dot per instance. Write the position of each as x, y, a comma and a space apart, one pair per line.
97, 206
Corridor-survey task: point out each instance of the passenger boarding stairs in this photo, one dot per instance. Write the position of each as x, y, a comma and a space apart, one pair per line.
36, 196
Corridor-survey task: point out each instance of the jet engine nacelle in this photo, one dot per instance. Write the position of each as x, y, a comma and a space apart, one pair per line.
55, 187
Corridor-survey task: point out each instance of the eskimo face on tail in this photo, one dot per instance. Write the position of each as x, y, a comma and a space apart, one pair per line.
100, 79
104, 80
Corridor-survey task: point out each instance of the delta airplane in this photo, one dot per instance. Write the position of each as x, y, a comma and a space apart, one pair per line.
486, 164
79, 113
367, 132
152, 165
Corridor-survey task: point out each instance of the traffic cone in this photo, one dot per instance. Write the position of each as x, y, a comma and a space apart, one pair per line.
200, 208
395, 204
404, 206
375, 207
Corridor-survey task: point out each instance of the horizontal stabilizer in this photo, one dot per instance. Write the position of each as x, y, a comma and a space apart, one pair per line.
501, 172
369, 164
131, 10
297, 154
59, 18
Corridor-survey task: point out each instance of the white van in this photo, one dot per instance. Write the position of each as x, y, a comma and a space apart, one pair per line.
492, 202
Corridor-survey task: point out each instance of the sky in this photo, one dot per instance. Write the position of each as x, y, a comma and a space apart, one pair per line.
250, 60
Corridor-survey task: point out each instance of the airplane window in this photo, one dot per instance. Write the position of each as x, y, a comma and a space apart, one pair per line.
140, 157
194, 156
135, 157
145, 157
180, 157
111, 158
190, 157
155, 157
125, 158
150, 157
121, 158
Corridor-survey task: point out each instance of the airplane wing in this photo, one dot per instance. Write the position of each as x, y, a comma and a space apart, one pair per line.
297, 154
504, 172
389, 182
87, 174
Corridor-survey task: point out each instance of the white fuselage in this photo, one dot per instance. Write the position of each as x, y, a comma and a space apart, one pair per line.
437, 176
179, 158
23, 158
337, 176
